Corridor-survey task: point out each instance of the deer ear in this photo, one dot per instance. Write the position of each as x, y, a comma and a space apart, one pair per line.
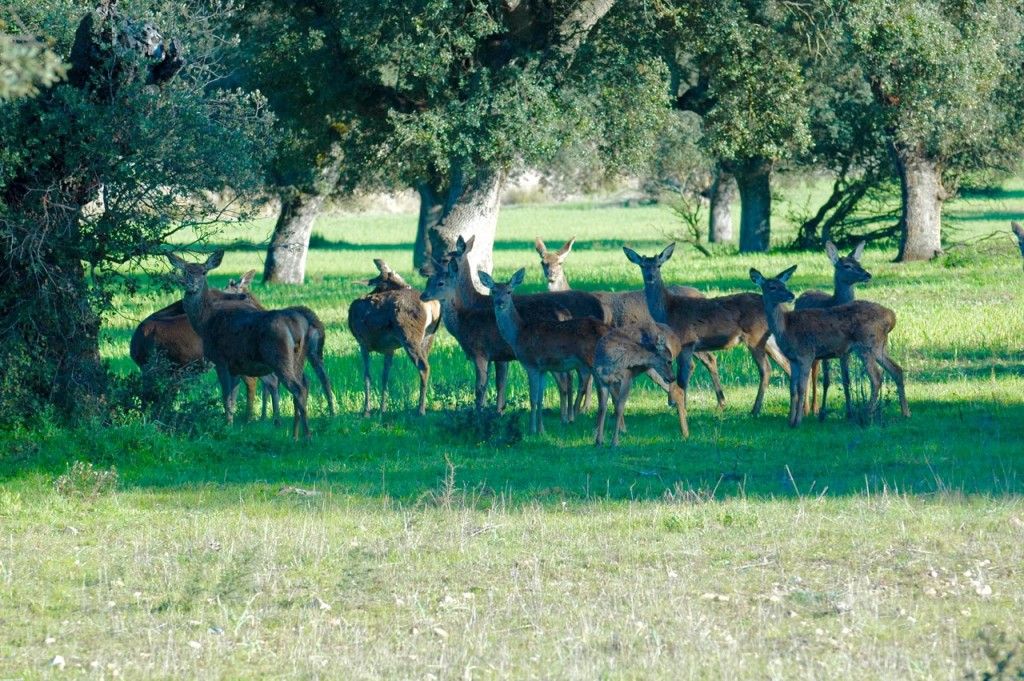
832, 251
213, 262
666, 254
247, 278
485, 279
539, 245
756, 276
381, 266
518, 277
785, 274
468, 244
633, 256
858, 252
176, 262
565, 249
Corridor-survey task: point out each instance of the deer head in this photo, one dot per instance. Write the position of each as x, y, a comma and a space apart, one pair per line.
192, 276
774, 288
551, 261
663, 349
650, 266
442, 285
241, 285
502, 293
386, 280
848, 268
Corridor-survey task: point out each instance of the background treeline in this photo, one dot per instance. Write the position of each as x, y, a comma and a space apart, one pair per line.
125, 123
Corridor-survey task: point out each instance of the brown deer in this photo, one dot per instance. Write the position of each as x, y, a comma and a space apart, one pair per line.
392, 316
848, 273
627, 308
168, 332
543, 346
825, 333
709, 323
245, 341
481, 334
625, 353
1018, 231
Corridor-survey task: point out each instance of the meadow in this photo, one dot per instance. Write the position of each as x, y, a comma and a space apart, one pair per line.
434, 547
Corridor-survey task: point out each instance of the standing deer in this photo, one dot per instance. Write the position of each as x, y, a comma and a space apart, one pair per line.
848, 272
627, 308
392, 316
709, 323
825, 333
245, 341
168, 332
625, 353
543, 346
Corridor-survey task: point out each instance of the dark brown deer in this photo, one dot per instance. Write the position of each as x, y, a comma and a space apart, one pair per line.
622, 309
543, 346
848, 273
389, 318
169, 333
826, 333
625, 353
244, 341
709, 323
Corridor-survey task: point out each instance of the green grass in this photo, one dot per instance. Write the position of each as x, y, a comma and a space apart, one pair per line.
750, 550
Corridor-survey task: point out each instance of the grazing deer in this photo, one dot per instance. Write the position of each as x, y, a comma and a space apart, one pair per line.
168, 332
826, 333
627, 308
1018, 231
543, 346
392, 316
245, 341
625, 353
848, 272
534, 307
709, 323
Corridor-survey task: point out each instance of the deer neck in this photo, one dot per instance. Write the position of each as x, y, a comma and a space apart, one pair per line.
776, 317
510, 324
198, 307
560, 284
843, 292
657, 299
450, 314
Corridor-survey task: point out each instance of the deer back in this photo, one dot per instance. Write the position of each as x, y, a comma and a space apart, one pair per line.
389, 319
561, 345
830, 332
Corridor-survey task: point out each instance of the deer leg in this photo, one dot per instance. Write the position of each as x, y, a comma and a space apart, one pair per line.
264, 399
764, 371
875, 376
812, 404
602, 412
620, 409
771, 346
683, 377
316, 358
299, 388
420, 362
684, 426
564, 382
709, 360
586, 380
225, 378
481, 365
271, 384
366, 380
385, 375
844, 368
896, 371
794, 393
533, 378
250, 397
825, 382
500, 383
541, 380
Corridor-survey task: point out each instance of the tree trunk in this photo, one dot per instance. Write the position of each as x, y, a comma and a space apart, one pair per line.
286, 256
723, 191
431, 211
922, 196
754, 180
471, 210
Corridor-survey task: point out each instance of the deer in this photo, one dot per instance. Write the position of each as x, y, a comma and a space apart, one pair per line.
545, 345
848, 273
245, 341
477, 331
625, 353
390, 317
1018, 232
709, 323
168, 332
621, 309
826, 333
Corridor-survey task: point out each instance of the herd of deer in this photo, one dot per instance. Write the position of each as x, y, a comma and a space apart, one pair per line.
604, 338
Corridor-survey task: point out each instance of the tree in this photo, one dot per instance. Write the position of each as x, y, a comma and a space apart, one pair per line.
98, 171
948, 88
744, 78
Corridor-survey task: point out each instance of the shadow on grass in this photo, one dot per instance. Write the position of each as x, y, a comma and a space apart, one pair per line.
969, 447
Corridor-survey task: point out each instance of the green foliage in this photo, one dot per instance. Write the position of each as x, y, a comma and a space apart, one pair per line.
26, 65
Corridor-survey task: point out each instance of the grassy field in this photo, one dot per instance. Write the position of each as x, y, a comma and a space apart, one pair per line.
410, 547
